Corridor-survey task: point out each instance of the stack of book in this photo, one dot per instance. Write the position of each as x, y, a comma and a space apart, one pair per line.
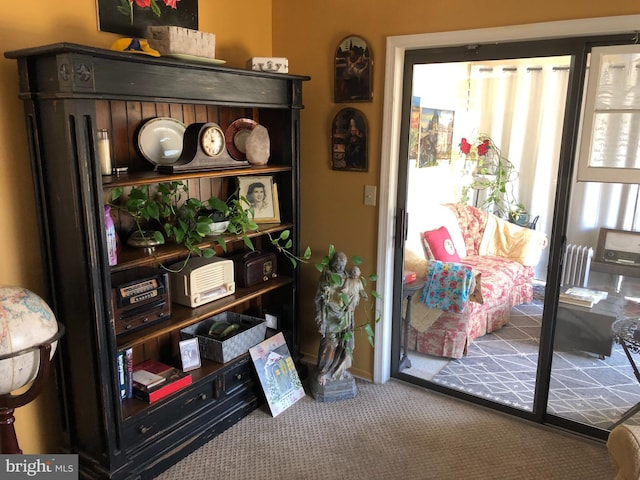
153, 381
583, 297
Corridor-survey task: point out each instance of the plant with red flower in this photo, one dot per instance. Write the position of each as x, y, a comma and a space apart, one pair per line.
482, 148
493, 173
126, 7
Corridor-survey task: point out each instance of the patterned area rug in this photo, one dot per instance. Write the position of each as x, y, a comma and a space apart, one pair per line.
502, 366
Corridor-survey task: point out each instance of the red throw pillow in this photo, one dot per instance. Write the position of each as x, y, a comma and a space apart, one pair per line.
441, 245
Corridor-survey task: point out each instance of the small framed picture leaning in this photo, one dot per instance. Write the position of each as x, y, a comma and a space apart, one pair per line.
189, 354
262, 193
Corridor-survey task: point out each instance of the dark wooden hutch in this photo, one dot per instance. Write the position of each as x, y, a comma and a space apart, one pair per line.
69, 92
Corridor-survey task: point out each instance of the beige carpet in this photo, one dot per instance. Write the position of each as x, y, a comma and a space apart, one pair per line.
392, 431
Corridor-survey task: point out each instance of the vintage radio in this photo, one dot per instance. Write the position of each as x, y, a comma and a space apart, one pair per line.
201, 280
254, 267
140, 297
619, 246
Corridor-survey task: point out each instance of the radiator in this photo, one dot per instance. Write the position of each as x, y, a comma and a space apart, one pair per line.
577, 264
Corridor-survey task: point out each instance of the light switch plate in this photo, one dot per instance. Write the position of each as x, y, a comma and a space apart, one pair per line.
370, 195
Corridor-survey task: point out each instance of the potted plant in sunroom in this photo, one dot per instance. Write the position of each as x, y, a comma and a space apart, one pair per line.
494, 174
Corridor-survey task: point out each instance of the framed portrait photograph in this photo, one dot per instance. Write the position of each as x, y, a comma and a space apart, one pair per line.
349, 141
131, 19
189, 354
353, 67
261, 192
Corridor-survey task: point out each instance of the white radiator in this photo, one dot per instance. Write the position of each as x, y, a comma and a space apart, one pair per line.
577, 265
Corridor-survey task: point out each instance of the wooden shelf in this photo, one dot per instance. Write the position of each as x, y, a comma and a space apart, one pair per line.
130, 257
151, 177
182, 316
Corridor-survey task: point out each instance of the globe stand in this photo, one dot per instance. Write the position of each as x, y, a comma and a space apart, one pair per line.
8, 403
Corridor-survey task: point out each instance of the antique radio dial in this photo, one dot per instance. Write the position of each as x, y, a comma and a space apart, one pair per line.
203, 148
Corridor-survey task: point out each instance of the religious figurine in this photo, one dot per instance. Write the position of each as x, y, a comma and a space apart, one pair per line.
337, 297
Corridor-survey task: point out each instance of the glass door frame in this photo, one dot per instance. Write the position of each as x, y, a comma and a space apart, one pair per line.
577, 48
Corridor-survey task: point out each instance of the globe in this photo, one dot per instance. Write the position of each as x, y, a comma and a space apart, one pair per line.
26, 322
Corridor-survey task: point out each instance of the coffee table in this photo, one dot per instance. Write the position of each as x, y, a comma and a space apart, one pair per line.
588, 329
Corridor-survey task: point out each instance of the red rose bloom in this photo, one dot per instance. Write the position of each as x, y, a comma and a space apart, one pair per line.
483, 148
465, 147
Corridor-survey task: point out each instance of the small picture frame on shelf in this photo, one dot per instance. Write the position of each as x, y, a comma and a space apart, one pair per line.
262, 193
272, 319
189, 354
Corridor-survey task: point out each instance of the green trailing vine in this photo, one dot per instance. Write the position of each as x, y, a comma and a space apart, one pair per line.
336, 282
171, 215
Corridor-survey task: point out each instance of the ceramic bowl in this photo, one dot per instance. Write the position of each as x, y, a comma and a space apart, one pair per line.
218, 227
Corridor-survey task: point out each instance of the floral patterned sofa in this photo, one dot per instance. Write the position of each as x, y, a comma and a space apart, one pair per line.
501, 256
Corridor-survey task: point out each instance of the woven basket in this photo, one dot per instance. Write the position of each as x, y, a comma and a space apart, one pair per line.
252, 331
170, 40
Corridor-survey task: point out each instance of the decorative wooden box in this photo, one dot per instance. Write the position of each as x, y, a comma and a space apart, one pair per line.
269, 64
171, 40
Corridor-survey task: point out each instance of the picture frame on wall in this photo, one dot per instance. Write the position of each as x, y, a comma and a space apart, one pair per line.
353, 71
130, 19
262, 193
349, 143
436, 136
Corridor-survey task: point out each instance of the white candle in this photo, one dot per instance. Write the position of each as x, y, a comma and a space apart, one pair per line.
104, 152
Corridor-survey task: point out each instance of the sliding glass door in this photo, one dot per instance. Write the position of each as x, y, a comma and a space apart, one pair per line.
489, 141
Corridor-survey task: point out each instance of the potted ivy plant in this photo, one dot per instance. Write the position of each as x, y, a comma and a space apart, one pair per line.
159, 215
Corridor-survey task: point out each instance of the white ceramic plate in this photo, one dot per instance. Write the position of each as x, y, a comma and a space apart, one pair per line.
160, 140
193, 58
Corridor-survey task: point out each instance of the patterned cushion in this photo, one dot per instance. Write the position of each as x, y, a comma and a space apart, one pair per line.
441, 245
472, 222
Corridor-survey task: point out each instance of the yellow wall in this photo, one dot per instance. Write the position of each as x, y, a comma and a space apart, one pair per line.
308, 34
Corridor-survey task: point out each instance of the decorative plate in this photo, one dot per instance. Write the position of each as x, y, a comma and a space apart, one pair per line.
196, 59
236, 137
160, 140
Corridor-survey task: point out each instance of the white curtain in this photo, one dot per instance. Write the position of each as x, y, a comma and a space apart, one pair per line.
521, 107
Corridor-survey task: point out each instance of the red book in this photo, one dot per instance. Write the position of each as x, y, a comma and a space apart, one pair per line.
409, 276
175, 379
